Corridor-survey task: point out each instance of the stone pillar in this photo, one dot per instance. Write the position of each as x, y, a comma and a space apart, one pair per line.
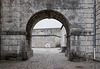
64, 44
63, 39
78, 44
67, 53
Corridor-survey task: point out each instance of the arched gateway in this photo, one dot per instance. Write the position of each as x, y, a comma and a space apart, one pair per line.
42, 15
16, 25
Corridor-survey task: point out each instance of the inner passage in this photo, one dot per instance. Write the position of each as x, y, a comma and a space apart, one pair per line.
48, 40
47, 33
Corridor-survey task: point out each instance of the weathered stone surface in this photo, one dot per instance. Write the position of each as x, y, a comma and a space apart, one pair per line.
97, 30
20, 16
0, 26
66, 5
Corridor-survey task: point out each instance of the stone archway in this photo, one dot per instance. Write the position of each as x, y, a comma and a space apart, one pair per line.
47, 14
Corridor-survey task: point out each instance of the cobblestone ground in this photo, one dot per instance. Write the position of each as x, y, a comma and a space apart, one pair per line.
48, 58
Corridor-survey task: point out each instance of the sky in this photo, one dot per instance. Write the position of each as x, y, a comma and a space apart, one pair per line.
48, 23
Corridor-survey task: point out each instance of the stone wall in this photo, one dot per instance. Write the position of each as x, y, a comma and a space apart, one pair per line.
16, 14
82, 38
98, 30
45, 41
0, 28
83, 44
46, 36
47, 31
13, 45
19, 12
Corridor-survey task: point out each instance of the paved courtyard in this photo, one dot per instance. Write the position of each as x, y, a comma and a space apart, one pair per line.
48, 58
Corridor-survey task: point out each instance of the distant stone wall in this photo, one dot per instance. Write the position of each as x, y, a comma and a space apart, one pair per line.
47, 31
45, 41
47, 37
98, 30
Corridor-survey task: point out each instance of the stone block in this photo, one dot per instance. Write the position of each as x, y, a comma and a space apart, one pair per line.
91, 43
83, 48
97, 21
97, 42
89, 26
98, 55
90, 38
6, 8
4, 47
83, 38
85, 43
14, 42
98, 49
6, 42
11, 48
89, 49
97, 31
22, 37
88, 1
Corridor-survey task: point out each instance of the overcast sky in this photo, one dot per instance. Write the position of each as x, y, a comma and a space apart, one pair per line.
48, 23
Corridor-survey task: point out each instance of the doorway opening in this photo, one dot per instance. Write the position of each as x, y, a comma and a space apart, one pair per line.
46, 34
